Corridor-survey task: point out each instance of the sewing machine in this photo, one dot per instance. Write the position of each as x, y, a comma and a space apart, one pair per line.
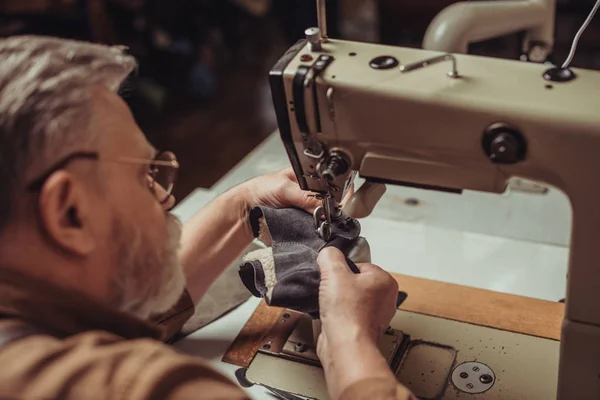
452, 122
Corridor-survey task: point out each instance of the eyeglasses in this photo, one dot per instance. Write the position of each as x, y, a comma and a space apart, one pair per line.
162, 171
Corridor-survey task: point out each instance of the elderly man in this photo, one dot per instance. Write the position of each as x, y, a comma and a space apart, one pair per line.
95, 274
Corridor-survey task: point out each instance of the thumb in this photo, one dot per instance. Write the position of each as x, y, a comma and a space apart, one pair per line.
332, 261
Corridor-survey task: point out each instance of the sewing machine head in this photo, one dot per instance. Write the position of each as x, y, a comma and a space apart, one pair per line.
449, 122
422, 118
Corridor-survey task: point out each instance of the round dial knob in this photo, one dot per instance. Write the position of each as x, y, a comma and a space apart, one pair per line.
335, 166
313, 36
504, 144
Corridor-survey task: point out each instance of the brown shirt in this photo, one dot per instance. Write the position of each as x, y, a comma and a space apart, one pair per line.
94, 352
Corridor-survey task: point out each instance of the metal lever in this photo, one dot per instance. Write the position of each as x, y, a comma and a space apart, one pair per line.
453, 73
362, 203
322, 18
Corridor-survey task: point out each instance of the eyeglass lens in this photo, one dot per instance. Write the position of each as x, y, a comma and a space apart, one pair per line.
164, 176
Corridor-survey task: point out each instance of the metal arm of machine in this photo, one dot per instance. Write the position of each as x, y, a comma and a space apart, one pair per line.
467, 22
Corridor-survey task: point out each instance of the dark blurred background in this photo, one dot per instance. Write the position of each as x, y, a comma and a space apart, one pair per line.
201, 89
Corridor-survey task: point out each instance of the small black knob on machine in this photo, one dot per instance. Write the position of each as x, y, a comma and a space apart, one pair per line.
559, 75
384, 62
504, 144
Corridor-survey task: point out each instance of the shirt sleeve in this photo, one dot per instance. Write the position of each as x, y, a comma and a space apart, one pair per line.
173, 320
99, 365
377, 389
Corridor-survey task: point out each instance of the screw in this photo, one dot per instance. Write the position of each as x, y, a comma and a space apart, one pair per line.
464, 375
286, 315
486, 379
476, 368
300, 347
411, 201
267, 346
469, 386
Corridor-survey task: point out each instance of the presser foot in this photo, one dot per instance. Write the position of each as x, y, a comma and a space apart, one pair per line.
322, 224
324, 215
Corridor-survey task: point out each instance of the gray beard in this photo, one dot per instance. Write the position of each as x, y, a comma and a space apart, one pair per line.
149, 279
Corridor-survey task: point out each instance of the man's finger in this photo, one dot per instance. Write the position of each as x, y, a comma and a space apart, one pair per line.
289, 173
367, 268
332, 261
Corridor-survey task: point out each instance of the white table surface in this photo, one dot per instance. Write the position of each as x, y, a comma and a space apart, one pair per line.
423, 242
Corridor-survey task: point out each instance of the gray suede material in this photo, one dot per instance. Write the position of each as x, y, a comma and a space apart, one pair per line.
297, 226
295, 246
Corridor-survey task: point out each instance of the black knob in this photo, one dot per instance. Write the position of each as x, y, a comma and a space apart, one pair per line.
504, 144
384, 62
336, 166
559, 75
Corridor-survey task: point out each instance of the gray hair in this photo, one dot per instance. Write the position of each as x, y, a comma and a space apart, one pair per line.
45, 95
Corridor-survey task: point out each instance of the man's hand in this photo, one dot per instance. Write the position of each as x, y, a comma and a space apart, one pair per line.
355, 309
363, 303
278, 190
215, 236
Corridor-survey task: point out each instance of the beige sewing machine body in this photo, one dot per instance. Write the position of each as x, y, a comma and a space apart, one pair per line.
446, 122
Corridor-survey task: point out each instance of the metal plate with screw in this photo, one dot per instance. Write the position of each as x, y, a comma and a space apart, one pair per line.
473, 377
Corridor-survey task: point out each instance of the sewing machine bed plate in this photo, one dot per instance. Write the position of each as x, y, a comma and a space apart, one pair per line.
525, 367
516, 336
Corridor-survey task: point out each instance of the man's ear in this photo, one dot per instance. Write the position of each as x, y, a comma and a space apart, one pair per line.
65, 214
